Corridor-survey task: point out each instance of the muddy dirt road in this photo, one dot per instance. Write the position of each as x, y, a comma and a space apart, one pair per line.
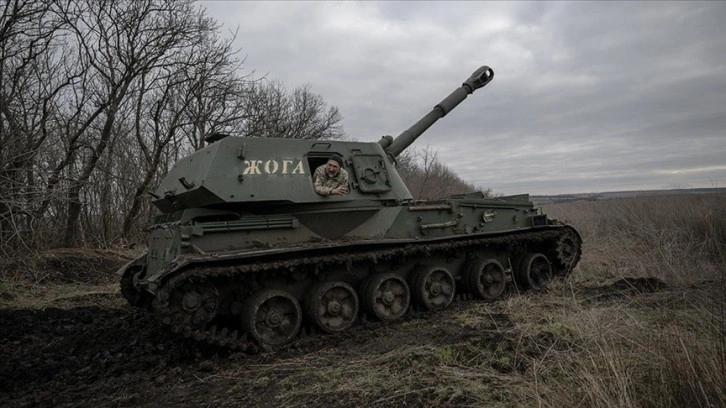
108, 354
94, 350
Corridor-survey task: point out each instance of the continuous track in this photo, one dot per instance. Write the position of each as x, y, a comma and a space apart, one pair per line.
561, 244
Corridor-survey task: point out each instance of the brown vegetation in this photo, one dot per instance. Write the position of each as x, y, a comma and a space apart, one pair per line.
639, 323
428, 178
98, 99
664, 349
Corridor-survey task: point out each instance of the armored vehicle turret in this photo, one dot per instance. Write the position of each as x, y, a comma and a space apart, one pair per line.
247, 250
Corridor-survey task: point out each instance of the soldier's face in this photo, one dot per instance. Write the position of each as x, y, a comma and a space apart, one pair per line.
333, 168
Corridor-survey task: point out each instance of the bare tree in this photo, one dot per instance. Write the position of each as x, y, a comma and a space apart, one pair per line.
199, 95
428, 178
34, 72
273, 112
122, 41
99, 98
216, 88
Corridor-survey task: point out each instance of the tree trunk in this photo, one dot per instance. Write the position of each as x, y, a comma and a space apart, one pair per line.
74, 193
70, 233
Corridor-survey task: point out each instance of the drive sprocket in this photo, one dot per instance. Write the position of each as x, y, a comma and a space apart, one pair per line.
567, 251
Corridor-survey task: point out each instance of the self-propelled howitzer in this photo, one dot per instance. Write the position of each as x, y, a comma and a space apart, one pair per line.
246, 253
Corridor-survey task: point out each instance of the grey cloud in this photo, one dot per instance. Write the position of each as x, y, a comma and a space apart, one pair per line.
587, 96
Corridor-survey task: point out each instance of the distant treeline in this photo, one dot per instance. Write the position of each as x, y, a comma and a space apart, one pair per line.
561, 198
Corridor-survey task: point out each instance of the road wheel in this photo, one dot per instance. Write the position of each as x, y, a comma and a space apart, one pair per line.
433, 287
332, 306
484, 278
533, 270
386, 296
272, 317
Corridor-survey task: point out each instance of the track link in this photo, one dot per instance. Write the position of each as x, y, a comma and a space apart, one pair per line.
564, 246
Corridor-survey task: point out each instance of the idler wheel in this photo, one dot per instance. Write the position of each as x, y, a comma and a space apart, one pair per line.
272, 317
194, 303
433, 287
332, 306
385, 296
131, 293
533, 270
484, 278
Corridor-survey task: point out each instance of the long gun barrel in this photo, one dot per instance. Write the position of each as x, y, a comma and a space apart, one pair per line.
478, 79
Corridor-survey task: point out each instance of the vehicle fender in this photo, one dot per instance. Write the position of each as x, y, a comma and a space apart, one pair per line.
141, 260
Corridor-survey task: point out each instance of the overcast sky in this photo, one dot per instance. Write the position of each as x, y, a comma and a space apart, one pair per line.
586, 96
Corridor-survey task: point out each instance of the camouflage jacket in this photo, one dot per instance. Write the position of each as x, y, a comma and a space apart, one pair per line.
324, 184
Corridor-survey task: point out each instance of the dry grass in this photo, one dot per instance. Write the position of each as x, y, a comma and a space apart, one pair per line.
601, 338
61, 278
641, 322
678, 238
65, 266
665, 349
23, 295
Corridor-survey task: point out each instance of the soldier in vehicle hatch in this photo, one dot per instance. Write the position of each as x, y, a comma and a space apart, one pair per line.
331, 178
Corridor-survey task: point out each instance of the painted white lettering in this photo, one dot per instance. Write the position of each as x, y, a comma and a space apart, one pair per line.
271, 166
299, 169
284, 165
252, 167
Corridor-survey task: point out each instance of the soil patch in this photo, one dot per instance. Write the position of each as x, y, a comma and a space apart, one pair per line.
65, 265
65, 350
121, 356
98, 351
622, 288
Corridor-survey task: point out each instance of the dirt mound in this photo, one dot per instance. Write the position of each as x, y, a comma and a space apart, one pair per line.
66, 265
623, 288
641, 285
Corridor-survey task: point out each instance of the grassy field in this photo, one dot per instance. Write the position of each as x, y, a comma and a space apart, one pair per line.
666, 348
641, 322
